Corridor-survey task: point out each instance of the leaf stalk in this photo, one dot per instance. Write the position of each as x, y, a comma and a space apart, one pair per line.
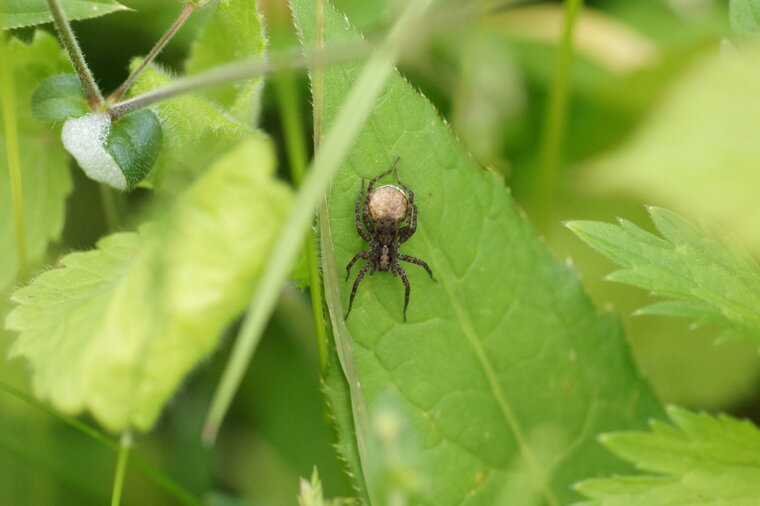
246, 69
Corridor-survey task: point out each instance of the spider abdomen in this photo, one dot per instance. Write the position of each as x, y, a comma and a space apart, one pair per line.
388, 203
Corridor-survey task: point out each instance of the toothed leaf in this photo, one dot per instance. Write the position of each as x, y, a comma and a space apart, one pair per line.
699, 459
18, 13
115, 330
711, 282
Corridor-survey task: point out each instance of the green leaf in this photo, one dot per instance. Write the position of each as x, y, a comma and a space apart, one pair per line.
233, 33
115, 330
696, 153
194, 132
134, 141
44, 164
18, 13
58, 98
119, 154
744, 16
504, 369
714, 283
700, 459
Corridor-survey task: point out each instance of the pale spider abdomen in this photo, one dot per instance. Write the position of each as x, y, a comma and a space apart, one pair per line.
388, 203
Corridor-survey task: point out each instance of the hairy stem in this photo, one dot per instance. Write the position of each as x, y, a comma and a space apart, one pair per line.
127, 84
62, 26
8, 102
326, 163
121, 468
556, 112
245, 69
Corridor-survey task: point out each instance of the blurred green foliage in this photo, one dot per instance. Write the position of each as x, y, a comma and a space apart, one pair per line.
489, 76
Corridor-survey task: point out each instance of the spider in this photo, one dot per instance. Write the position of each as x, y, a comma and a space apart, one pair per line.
384, 211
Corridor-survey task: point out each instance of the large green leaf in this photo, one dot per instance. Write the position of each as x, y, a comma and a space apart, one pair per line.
696, 153
505, 371
115, 330
17, 13
700, 459
234, 32
44, 163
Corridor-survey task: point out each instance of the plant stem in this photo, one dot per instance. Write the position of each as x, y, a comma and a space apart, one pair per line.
127, 84
62, 26
295, 141
343, 346
341, 335
8, 105
326, 163
553, 135
246, 69
157, 476
121, 467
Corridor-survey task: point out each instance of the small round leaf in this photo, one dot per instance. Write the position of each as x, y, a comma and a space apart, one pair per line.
59, 98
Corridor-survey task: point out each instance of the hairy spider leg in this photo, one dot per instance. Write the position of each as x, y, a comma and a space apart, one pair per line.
358, 279
362, 254
363, 233
410, 228
398, 270
368, 223
417, 261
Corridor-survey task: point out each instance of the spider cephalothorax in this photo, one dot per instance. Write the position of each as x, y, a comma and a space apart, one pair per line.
389, 217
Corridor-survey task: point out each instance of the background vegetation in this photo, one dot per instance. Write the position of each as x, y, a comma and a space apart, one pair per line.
511, 366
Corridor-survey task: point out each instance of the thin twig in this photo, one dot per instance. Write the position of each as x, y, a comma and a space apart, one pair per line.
127, 84
94, 97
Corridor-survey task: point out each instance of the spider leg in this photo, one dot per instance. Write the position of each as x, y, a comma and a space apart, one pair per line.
359, 277
410, 228
363, 233
361, 254
367, 221
397, 269
417, 261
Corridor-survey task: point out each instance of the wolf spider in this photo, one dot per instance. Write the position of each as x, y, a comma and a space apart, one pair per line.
389, 217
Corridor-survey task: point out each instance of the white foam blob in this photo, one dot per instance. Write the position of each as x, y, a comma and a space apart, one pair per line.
85, 139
